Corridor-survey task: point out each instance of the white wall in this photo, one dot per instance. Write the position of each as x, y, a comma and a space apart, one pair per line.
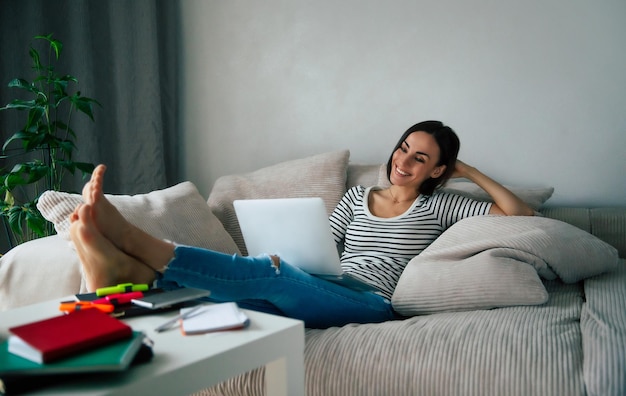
536, 89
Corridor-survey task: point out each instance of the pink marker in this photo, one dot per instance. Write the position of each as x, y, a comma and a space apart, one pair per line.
119, 298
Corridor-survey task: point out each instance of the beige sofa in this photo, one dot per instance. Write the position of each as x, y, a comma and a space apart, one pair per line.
495, 306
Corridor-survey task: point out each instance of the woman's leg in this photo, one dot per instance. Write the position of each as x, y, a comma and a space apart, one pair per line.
297, 294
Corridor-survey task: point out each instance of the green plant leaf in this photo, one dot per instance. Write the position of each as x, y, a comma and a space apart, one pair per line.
36, 222
13, 180
67, 146
85, 167
34, 115
60, 86
28, 215
26, 173
46, 37
38, 172
16, 136
37, 138
22, 84
18, 104
83, 104
36, 59
16, 217
31, 140
66, 78
69, 165
56, 45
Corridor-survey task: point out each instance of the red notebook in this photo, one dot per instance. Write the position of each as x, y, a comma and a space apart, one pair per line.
61, 336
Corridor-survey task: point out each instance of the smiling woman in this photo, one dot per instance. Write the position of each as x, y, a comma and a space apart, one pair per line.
381, 230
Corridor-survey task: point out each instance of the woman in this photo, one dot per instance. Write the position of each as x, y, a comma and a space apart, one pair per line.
381, 229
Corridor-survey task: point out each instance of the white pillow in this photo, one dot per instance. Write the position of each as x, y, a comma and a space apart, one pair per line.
322, 175
39, 270
178, 213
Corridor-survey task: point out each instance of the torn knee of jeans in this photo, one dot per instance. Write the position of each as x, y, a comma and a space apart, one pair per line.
275, 263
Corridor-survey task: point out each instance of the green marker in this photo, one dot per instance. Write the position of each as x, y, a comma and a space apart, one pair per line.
121, 288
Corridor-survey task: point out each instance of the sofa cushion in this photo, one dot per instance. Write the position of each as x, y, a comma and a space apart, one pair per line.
322, 175
484, 262
178, 213
362, 175
39, 270
480, 282
534, 197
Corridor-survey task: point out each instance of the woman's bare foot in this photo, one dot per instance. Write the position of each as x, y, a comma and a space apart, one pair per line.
106, 217
103, 263
126, 237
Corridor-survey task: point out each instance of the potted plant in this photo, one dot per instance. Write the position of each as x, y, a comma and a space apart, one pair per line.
37, 156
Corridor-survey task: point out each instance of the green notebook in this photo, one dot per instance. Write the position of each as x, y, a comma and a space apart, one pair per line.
112, 357
18, 375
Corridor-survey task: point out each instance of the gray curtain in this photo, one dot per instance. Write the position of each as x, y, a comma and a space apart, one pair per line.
124, 54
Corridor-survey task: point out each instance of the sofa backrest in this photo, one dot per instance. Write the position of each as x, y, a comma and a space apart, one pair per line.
608, 224
365, 175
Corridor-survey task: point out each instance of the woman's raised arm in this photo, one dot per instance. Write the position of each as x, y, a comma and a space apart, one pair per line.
505, 202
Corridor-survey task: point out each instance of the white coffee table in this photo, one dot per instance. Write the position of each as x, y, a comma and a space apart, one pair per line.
186, 364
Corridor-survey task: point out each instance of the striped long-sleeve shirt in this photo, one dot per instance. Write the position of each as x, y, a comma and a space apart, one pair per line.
377, 249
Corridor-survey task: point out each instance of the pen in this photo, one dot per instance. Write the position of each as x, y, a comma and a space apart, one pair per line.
119, 298
170, 323
71, 306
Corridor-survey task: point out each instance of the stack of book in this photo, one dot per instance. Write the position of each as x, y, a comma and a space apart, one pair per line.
57, 349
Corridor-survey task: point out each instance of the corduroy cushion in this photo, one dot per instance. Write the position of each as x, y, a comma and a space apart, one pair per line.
484, 262
178, 213
322, 175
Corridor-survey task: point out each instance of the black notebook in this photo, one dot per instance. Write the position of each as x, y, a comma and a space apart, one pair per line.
170, 298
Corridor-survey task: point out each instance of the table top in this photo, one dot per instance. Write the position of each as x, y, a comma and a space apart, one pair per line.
172, 350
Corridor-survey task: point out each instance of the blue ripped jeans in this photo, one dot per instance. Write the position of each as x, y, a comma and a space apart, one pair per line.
255, 283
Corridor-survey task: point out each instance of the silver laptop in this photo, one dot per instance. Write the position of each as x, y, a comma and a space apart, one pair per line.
298, 231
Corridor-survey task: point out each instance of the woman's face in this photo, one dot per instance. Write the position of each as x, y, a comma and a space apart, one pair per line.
415, 161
